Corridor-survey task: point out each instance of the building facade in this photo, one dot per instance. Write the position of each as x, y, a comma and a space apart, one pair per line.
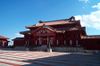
58, 33
3, 42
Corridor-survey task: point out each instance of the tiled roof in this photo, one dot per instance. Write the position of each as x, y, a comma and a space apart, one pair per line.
91, 37
51, 23
18, 38
54, 22
48, 27
24, 32
3, 37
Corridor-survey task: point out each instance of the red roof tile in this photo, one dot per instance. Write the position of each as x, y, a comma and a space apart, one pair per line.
53, 22
3, 37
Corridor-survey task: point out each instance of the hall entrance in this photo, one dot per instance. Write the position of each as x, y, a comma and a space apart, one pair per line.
44, 36
44, 40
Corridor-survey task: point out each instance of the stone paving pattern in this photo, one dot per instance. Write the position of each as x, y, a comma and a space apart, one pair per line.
40, 58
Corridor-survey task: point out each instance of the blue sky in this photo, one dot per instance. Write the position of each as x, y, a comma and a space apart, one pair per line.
16, 14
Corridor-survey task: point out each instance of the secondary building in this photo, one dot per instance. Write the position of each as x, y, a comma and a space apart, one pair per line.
3, 41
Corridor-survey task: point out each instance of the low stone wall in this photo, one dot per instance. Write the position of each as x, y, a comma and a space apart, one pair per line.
58, 49
21, 48
68, 49
40, 48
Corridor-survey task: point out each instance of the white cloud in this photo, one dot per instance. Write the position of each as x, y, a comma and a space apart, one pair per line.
96, 6
18, 35
90, 20
85, 1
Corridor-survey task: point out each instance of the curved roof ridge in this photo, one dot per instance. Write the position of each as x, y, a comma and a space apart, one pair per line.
56, 20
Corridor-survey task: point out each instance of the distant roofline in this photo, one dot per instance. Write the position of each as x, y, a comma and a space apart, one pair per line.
3, 37
91, 37
18, 38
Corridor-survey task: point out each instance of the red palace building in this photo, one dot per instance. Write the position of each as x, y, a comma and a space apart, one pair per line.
3, 42
58, 33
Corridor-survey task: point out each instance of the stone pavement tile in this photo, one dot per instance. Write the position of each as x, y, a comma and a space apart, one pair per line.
15, 57
3, 64
31, 58
70, 60
13, 62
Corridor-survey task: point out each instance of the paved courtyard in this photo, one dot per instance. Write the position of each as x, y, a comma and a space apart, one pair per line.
39, 58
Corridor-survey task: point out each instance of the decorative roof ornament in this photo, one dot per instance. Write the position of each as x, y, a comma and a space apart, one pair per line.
45, 26
40, 21
72, 18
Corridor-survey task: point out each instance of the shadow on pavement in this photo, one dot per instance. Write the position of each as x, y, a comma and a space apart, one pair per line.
73, 59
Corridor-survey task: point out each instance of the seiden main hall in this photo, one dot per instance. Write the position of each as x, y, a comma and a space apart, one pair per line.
58, 33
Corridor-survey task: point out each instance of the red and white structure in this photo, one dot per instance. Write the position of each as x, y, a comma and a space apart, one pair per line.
58, 33
3, 41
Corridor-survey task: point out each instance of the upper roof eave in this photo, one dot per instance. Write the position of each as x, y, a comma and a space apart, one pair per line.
46, 24
24, 32
55, 22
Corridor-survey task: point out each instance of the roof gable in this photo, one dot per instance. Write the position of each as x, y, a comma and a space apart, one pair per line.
46, 28
44, 31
